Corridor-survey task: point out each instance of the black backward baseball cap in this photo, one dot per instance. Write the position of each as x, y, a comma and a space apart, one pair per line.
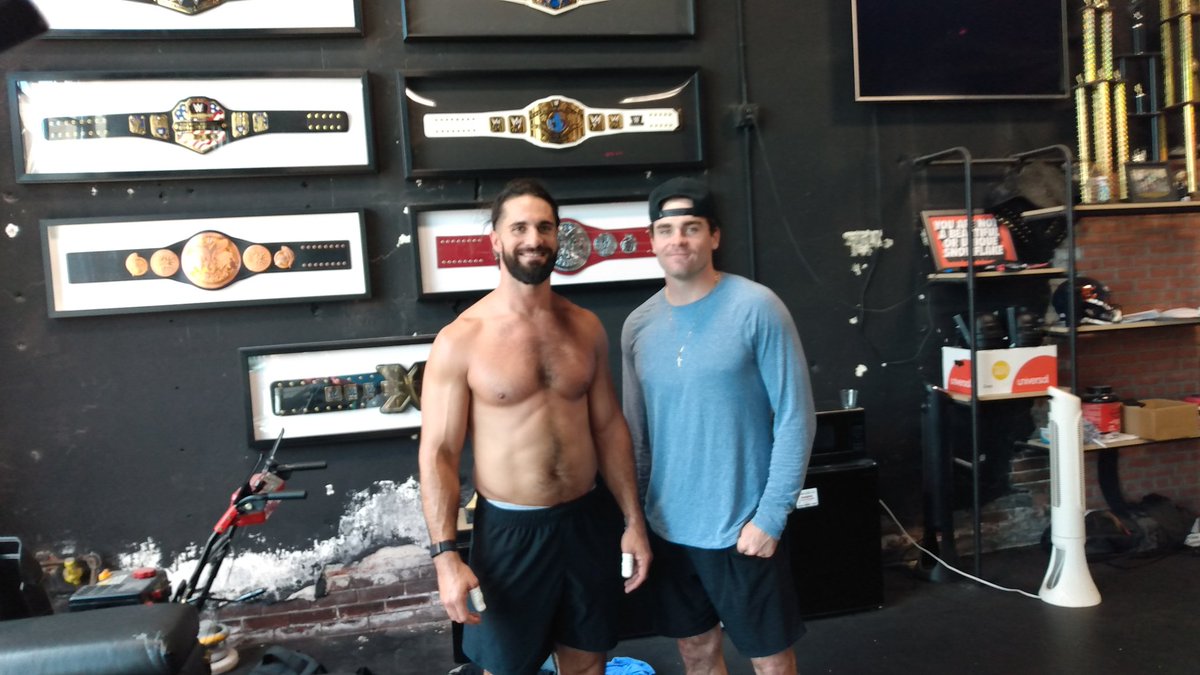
697, 191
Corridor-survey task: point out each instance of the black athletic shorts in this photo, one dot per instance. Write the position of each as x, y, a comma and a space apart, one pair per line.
694, 588
549, 576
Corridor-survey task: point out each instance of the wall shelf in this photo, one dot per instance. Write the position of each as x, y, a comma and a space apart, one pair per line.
1116, 209
1112, 445
1133, 325
962, 276
966, 398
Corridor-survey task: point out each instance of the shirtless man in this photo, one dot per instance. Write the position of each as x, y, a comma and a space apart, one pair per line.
527, 373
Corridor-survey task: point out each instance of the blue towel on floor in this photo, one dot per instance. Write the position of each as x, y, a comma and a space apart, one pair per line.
623, 665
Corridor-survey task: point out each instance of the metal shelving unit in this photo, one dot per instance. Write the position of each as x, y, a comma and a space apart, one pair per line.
939, 521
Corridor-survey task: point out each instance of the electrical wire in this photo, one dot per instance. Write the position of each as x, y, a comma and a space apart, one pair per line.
948, 566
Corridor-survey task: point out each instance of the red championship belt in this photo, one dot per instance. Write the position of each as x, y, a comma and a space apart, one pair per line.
579, 246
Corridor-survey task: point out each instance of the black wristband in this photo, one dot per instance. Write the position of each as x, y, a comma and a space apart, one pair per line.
441, 547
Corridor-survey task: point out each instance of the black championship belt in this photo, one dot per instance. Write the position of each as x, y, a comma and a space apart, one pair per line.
198, 123
209, 260
392, 388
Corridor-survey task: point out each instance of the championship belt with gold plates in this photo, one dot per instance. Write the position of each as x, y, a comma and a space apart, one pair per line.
552, 122
393, 388
579, 246
209, 260
198, 123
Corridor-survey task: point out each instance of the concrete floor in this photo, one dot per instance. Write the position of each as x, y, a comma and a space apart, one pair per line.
1144, 624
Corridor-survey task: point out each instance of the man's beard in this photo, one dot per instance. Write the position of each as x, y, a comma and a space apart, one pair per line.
529, 274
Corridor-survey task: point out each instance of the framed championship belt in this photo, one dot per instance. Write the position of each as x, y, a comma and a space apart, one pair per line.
598, 243
200, 18
514, 121
115, 266
516, 19
116, 128
334, 390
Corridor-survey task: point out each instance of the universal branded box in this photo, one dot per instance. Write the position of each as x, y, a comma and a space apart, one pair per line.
1160, 419
1020, 370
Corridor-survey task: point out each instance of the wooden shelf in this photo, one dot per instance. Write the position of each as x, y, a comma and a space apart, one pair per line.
1091, 447
966, 398
1116, 209
962, 276
1134, 325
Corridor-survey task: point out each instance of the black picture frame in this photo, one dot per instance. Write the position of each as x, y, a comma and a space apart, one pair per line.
320, 376
1149, 182
117, 19
86, 259
42, 102
627, 262
473, 94
514, 20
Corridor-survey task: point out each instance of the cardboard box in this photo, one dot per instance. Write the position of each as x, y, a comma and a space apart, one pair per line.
1001, 371
1162, 419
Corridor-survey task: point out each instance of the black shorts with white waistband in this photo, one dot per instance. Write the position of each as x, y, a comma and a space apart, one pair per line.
549, 576
755, 598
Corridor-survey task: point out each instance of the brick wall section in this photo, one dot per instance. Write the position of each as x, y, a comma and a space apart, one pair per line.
1149, 262
356, 601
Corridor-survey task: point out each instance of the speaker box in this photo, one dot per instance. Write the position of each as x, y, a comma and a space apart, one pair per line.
834, 539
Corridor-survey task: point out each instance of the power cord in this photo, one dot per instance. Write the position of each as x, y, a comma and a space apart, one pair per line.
948, 566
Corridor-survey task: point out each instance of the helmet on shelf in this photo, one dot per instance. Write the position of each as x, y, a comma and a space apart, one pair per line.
1093, 302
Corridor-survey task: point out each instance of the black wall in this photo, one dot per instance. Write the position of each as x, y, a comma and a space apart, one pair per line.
125, 428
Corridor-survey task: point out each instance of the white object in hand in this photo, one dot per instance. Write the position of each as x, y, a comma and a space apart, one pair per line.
626, 565
476, 595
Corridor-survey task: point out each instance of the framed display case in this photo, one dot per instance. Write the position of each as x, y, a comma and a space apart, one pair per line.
121, 266
598, 243
1149, 182
341, 390
517, 19
471, 122
200, 18
70, 127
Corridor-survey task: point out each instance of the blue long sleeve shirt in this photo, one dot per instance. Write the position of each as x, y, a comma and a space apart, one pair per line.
720, 408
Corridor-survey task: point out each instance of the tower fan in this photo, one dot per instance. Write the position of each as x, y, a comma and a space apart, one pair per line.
1068, 582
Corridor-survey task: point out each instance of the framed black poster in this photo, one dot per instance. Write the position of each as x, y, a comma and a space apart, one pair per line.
946, 234
200, 18
342, 390
471, 122
598, 243
516, 19
117, 126
124, 265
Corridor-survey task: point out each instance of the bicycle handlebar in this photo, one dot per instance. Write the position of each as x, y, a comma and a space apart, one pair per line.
300, 466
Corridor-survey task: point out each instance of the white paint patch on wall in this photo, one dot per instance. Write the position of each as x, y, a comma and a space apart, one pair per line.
862, 243
386, 513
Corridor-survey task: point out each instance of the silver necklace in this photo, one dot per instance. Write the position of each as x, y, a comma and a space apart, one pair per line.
675, 330
682, 343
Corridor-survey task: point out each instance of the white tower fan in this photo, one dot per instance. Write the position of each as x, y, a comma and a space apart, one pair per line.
1068, 582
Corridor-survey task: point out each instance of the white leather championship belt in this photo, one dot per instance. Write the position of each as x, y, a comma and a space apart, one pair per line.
554, 6
552, 122
185, 6
198, 123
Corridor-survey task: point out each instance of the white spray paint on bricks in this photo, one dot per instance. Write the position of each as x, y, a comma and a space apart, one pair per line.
386, 513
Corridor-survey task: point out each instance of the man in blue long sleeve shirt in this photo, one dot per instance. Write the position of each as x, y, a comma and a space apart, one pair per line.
718, 401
